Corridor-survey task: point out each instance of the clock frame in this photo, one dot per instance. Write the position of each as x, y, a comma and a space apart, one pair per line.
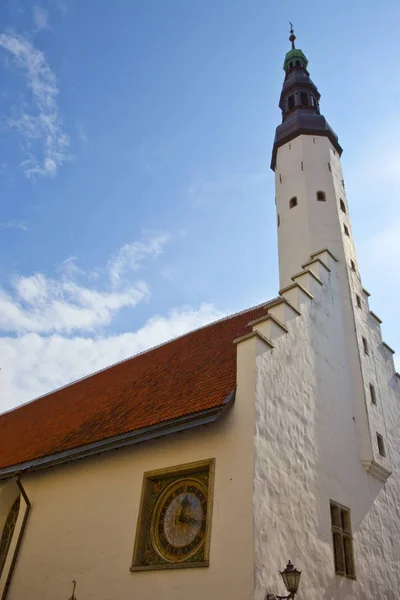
174, 521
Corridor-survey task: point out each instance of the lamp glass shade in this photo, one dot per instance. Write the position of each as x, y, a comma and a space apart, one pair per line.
291, 578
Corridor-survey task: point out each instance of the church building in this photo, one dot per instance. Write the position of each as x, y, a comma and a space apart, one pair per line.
199, 468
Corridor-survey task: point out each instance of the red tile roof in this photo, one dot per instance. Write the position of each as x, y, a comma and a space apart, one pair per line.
192, 373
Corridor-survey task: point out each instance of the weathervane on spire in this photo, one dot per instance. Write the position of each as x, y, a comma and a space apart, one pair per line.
292, 36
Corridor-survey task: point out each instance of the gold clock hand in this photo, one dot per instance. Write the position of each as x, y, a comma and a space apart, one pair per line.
185, 505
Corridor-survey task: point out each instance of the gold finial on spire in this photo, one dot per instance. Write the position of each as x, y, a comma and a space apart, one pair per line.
292, 36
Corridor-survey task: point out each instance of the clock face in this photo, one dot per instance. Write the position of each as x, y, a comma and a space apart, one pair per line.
179, 520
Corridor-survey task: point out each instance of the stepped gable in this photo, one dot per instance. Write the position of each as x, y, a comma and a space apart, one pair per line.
188, 375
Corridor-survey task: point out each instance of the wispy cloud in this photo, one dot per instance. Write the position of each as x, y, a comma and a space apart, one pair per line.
14, 225
131, 256
77, 300
47, 143
40, 18
44, 305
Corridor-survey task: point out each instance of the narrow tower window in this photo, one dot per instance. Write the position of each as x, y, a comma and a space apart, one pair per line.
329, 166
8, 531
279, 220
365, 345
303, 99
346, 230
372, 393
302, 166
342, 540
280, 178
343, 206
293, 202
358, 301
291, 102
381, 445
353, 265
321, 196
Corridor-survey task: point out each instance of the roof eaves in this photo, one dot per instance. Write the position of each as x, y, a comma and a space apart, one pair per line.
127, 439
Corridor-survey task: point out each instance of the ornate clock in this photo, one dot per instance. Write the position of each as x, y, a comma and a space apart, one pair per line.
174, 522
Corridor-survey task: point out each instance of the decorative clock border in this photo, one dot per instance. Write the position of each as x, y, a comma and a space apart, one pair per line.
148, 501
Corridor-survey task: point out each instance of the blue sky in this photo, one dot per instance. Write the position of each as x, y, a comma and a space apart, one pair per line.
136, 197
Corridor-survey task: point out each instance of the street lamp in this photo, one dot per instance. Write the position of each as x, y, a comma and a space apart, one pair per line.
291, 579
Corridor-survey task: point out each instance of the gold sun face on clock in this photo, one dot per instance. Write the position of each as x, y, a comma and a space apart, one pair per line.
174, 520
179, 520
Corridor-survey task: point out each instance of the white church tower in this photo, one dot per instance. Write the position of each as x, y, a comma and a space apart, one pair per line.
327, 487
312, 215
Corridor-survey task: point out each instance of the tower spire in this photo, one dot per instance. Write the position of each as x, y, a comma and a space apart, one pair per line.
292, 36
299, 103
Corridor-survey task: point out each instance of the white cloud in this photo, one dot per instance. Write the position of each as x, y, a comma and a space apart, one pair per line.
14, 225
43, 305
131, 256
47, 143
34, 364
40, 18
77, 300
54, 329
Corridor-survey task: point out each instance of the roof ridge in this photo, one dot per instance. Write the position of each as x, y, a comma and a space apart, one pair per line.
241, 312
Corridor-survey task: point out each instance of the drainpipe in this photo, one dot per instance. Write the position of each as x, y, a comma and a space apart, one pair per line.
20, 536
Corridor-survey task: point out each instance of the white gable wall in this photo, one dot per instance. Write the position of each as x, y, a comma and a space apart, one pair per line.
307, 453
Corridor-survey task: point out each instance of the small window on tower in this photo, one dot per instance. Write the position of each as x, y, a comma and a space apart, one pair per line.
343, 206
365, 346
304, 99
293, 202
346, 230
291, 102
372, 393
321, 196
279, 220
291, 65
381, 445
358, 301
353, 265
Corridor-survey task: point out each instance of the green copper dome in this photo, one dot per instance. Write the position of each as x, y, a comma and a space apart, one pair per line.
292, 56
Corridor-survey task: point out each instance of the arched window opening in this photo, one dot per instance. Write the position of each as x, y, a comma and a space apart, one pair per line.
343, 206
291, 102
303, 99
321, 196
8, 531
297, 63
291, 65
293, 202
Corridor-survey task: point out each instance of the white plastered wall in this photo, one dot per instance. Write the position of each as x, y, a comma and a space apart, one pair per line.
82, 523
306, 165
307, 453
